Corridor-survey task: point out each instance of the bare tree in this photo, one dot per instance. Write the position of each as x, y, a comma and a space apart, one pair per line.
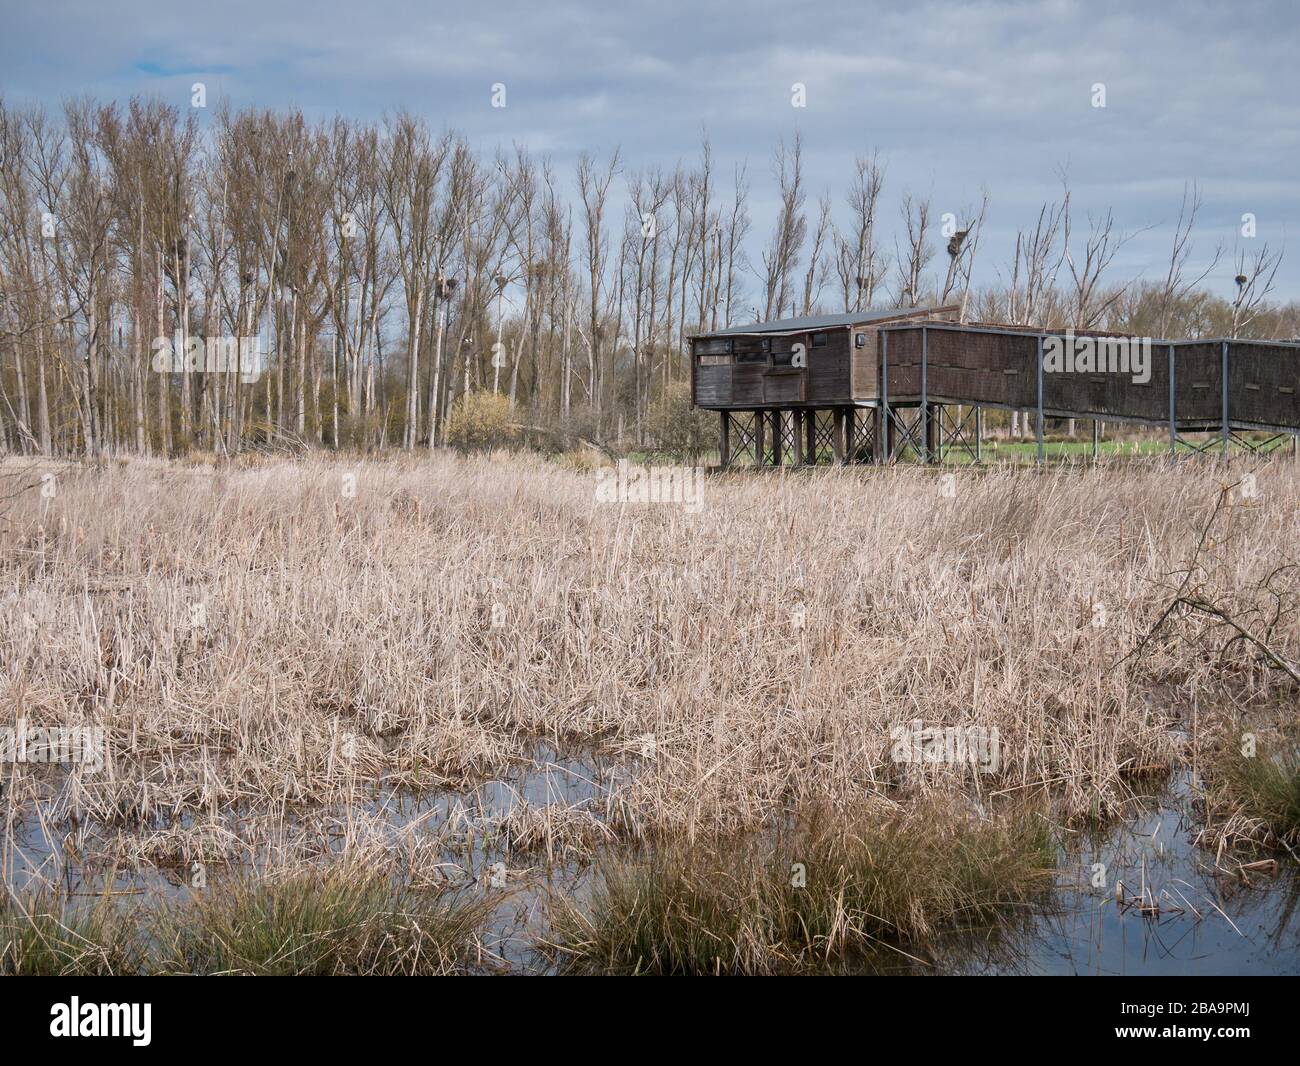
782, 254
1254, 280
1036, 263
732, 251
858, 261
1089, 301
376, 265
818, 257
411, 168
918, 252
593, 189
962, 246
1179, 279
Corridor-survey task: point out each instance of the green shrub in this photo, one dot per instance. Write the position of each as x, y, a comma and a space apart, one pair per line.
681, 429
481, 421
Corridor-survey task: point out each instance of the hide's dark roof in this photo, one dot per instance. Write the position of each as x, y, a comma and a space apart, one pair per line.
850, 318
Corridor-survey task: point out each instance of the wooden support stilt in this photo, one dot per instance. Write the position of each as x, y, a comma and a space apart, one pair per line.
760, 444
724, 439
810, 431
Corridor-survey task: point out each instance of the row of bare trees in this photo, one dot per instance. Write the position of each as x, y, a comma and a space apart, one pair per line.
268, 281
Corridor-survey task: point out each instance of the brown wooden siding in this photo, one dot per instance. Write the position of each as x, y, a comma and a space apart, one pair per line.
823, 382
1262, 383
971, 365
828, 368
1001, 369
865, 363
837, 373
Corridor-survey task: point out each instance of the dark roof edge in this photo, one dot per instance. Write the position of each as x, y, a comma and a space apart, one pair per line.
809, 323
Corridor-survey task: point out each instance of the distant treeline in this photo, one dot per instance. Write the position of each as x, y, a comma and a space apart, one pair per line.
387, 271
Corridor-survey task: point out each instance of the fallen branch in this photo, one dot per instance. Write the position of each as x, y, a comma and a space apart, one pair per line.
562, 434
1195, 599
1270, 656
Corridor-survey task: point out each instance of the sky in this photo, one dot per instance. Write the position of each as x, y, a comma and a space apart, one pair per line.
956, 97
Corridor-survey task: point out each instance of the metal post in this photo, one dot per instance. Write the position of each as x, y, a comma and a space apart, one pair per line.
1224, 374
1038, 420
925, 395
1173, 425
886, 449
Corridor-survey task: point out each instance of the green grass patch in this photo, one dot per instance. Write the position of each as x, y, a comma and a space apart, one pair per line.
336, 923
1256, 797
41, 935
824, 892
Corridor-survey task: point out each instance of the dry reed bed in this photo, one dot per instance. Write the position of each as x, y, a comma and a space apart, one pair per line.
257, 639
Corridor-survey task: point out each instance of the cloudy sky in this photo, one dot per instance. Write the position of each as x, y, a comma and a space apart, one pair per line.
956, 96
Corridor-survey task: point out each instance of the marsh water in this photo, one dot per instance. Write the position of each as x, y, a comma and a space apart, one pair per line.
1142, 898
1138, 896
